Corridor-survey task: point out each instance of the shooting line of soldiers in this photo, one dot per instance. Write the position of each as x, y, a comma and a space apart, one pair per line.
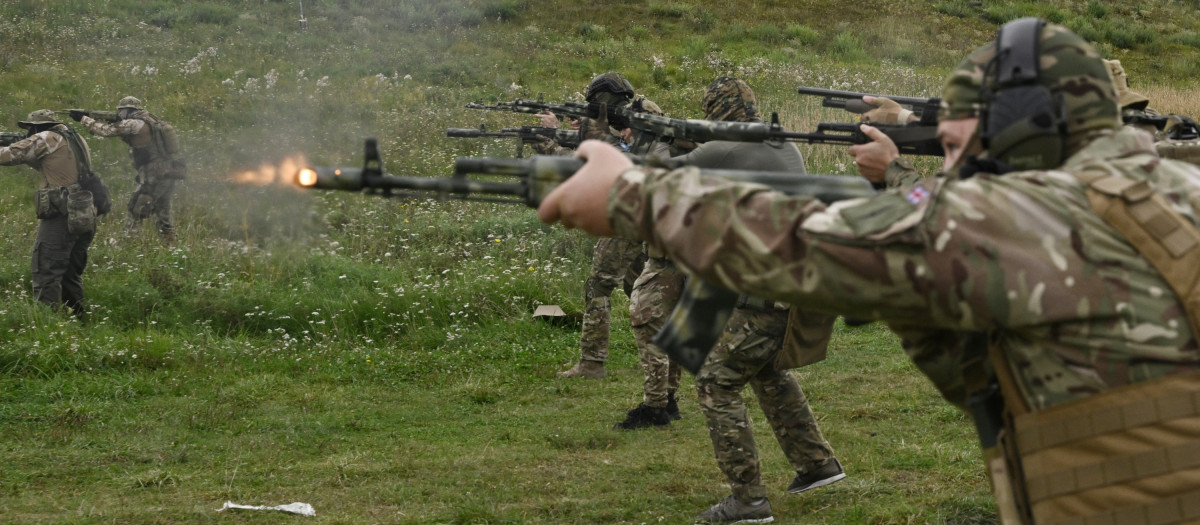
1044, 279
71, 195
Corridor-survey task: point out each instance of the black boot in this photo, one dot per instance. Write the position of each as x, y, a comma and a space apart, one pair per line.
644, 416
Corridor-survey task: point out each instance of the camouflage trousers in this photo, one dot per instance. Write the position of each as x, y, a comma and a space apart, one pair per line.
745, 353
615, 262
654, 296
152, 199
59, 259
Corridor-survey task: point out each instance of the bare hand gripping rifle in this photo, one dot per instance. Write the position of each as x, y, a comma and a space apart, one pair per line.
699, 316
567, 138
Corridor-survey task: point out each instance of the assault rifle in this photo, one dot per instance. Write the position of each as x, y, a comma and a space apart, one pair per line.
106, 116
7, 138
703, 309
1182, 127
567, 138
912, 139
852, 102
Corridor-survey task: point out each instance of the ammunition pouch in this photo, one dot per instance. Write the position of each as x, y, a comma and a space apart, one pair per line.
51, 203
100, 196
141, 206
806, 339
81, 211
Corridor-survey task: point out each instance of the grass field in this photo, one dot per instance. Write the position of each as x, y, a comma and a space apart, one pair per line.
377, 358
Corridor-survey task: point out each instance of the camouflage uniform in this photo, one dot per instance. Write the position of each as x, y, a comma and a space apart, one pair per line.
59, 256
754, 334
1071, 309
158, 171
615, 262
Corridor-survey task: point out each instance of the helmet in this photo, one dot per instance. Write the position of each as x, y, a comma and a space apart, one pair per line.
1127, 98
1040, 99
610, 88
729, 99
130, 102
41, 116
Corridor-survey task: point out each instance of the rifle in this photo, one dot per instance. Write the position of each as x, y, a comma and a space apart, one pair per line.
567, 138
917, 138
106, 116
699, 316
1182, 127
7, 138
852, 102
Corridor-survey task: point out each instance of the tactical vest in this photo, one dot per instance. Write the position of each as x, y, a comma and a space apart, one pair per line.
1128, 456
155, 142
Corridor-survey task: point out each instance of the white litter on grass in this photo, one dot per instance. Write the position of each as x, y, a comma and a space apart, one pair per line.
302, 509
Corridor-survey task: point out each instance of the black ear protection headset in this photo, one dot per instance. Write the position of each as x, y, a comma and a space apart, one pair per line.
1025, 125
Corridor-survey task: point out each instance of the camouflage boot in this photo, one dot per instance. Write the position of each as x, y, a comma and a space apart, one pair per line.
585, 369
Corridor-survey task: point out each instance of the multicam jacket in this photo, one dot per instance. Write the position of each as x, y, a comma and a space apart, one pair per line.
47, 152
1073, 306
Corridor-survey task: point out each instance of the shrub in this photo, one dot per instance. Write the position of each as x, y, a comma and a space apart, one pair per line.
503, 9
802, 34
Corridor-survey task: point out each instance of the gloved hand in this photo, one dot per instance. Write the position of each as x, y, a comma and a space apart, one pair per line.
886, 112
76, 114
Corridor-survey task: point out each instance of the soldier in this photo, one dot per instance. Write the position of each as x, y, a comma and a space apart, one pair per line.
65, 209
614, 261
154, 148
1055, 231
1178, 137
750, 344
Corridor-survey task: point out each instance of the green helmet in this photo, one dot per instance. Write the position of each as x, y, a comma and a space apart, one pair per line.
729, 99
130, 102
610, 88
1040, 100
41, 116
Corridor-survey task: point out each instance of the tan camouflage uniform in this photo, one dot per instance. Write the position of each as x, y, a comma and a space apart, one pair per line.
1070, 307
59, 256
157, 173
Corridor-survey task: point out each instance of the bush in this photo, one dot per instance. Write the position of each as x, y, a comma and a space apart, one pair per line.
848, 47
504, 9
802, 34
955, 8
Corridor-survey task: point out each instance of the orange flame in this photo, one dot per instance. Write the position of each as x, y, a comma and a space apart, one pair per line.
282, 173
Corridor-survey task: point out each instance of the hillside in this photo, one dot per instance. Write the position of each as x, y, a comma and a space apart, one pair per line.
376, 358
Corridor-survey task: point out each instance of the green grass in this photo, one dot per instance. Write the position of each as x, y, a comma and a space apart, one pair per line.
377, 358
